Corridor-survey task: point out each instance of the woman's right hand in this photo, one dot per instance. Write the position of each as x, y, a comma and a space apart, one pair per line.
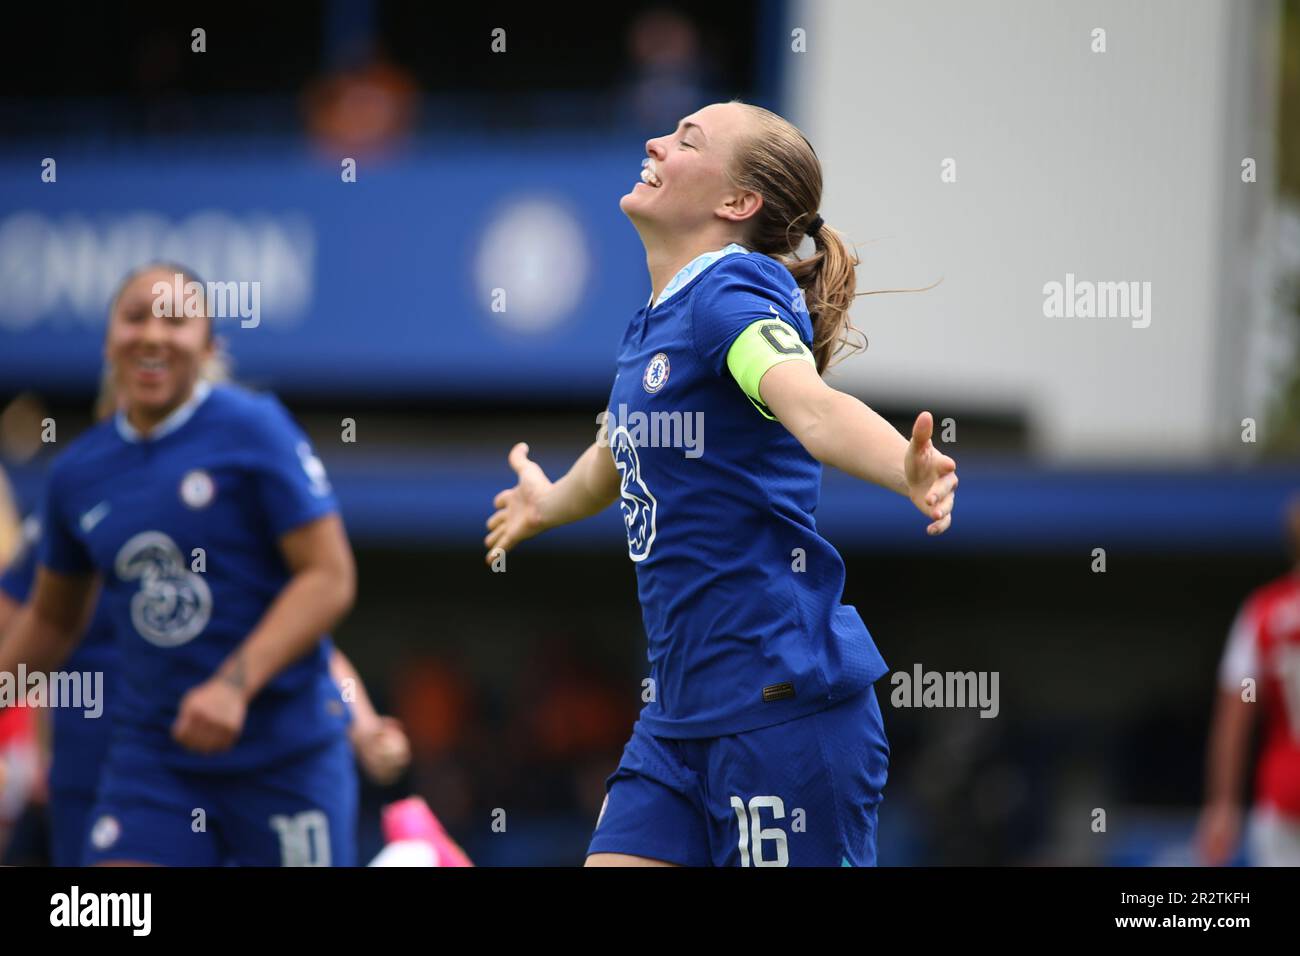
518, 515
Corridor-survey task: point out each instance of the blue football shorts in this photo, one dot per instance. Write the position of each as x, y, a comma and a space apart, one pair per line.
300, 812
800, 793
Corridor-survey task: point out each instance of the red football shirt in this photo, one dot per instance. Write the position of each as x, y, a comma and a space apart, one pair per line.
16, 724
1265, 645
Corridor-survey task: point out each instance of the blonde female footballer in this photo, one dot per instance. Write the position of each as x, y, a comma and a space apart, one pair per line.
764, 744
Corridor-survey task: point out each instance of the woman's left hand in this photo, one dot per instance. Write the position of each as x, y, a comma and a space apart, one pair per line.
931, 476
211, 716
382, 748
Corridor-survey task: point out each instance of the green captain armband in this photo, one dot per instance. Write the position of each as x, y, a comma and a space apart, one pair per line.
763, 344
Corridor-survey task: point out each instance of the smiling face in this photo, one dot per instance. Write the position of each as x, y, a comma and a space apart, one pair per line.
155, 359
684, 183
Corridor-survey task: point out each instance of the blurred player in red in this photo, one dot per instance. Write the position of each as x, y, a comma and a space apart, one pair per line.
1260, 669
19, 748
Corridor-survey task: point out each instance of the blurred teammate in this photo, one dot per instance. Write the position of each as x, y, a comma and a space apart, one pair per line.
1263, 648
224, 562
79, 739
764, 742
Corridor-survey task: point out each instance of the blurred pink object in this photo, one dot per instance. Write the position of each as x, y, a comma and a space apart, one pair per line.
411, 821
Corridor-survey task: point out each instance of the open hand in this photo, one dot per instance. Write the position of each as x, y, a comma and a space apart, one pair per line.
931, 476
518, 513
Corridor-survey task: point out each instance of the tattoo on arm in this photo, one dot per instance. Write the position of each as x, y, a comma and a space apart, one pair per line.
233, 673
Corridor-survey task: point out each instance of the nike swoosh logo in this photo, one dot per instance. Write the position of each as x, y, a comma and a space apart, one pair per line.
94, 516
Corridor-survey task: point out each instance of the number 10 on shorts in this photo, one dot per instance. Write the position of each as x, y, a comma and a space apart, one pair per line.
304, 838
753, 833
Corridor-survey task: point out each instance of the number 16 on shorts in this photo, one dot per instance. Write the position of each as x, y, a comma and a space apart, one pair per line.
753, 834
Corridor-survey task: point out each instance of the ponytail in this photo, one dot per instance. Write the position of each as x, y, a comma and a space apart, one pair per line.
829, 285
777, 162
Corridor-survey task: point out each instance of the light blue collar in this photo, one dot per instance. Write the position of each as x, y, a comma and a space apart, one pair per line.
169, 424
694, 268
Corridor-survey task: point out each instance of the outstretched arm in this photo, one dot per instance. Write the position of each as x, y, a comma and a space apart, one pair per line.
536, 503
839, 430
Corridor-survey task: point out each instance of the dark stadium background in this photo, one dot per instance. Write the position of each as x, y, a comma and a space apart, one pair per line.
519, 689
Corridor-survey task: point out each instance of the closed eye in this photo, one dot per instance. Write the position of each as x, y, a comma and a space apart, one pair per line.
687, 145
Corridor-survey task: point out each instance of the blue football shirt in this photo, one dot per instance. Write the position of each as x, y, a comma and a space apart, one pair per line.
740, 595
184, 527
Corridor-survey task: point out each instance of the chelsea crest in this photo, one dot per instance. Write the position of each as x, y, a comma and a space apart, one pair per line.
656, 373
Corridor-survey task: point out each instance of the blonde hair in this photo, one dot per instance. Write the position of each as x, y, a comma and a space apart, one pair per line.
777, 162
11, 526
